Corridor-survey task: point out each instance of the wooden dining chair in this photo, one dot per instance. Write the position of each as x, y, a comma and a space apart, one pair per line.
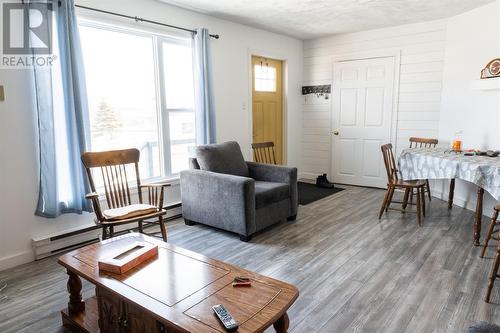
493, 274
423, 143
492, 232
263, 152
394, 182
119, 169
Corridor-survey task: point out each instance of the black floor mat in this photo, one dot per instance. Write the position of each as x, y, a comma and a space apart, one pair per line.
310, 192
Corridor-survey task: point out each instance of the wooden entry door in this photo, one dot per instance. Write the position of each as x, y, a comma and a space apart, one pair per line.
362, 119
267, 105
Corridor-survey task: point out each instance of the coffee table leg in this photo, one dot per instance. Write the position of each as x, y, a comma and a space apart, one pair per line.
75, 304
281, 326
479, 215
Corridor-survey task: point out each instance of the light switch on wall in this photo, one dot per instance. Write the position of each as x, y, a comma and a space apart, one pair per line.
2, 94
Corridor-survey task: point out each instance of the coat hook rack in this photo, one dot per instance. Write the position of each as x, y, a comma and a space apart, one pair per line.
319, 90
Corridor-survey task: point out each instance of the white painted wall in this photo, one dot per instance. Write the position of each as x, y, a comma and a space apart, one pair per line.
231, 59
422, 48
439, 62
472, 40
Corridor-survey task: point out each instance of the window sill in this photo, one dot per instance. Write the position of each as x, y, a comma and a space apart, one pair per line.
174, 180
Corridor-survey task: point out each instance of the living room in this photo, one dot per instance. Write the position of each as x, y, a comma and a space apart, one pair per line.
197, 87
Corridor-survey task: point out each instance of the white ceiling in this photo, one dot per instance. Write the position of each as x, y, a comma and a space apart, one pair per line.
307, 19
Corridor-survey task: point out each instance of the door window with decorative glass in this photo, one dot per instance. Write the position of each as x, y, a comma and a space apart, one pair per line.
265, 77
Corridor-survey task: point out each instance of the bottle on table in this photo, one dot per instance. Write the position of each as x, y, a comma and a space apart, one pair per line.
457, 141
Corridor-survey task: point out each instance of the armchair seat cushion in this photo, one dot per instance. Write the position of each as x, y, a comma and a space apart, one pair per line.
129, 211
270, 192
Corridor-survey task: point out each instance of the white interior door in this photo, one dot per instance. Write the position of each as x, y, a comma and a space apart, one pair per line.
362, 118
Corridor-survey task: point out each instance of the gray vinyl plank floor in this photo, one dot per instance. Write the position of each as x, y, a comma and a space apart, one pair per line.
354, 272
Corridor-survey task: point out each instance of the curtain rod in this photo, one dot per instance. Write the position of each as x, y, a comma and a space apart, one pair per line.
140, 19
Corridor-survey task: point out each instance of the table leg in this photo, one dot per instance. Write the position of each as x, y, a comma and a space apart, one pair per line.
451, 193
479, 215
281, 325
75, 304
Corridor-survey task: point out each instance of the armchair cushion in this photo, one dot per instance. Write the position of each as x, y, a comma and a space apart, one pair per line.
222, 158
129, 211
270, 192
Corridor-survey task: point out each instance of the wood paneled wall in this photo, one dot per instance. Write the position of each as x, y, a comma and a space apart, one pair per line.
422, 49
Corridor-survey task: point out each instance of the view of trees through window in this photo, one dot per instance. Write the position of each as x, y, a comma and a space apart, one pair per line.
106, 122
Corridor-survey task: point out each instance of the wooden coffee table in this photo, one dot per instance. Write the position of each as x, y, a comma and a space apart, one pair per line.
173, 292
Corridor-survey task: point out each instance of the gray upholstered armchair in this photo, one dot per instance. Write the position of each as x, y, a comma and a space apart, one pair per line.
224, 191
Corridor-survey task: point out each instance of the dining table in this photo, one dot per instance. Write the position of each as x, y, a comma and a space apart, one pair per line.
441, 163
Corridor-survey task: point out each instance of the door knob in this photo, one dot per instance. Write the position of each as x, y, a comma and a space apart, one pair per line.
335, 132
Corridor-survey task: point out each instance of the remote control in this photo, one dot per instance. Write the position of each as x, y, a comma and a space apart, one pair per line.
225, 317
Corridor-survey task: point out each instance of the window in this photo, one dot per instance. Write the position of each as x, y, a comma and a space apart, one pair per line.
265, 78
141, 94
179, 95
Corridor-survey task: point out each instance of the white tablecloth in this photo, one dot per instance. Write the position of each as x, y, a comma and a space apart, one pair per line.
437, 163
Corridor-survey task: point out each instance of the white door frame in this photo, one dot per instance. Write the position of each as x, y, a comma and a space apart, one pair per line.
386, 53
284, 105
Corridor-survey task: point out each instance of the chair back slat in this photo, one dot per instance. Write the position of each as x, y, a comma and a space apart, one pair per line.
423, 143
123, 193
390, 163
263, 152
107, 190
113, 170
120, 186
116, 192
126, 184
123, 178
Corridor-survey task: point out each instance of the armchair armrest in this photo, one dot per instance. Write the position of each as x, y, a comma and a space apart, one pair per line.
155, 198
94, 197
220, 200
279, 174
272, 173
91, 196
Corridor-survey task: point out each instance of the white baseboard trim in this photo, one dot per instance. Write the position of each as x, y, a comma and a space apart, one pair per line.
30, 255
48, 246
457, 201
16, 260
308, 175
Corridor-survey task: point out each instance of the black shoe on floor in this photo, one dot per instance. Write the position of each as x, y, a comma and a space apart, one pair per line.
323, 182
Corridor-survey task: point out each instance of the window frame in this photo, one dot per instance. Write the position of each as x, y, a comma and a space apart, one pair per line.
162, 110
165, 110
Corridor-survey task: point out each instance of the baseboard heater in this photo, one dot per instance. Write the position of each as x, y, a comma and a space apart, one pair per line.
44, 247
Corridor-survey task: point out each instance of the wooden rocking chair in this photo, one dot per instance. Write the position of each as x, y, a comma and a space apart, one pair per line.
112, 165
